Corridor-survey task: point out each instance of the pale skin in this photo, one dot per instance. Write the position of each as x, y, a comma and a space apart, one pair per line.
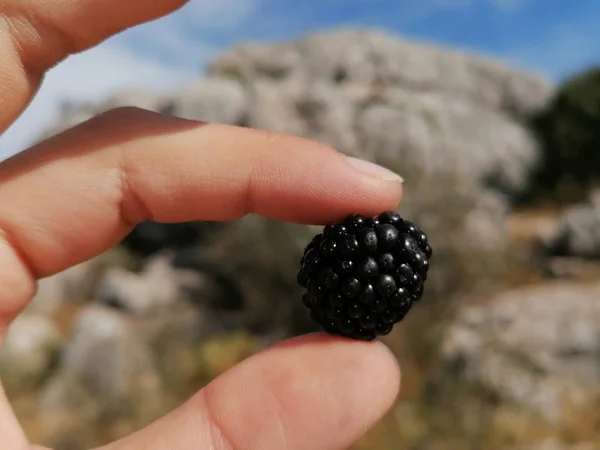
76, 195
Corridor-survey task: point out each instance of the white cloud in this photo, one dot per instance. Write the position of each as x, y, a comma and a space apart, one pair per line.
156, 56
185, 37
89, 76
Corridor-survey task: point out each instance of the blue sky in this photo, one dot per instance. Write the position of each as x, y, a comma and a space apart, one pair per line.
553, 37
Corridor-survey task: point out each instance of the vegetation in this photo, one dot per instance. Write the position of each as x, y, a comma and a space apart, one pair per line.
568, 131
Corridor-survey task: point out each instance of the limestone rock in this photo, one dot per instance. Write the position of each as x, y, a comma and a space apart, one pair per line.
387, 99
578, 233
214, 99
153, 290
106, 359
362, 56
435, 133
28, 351
75, 284
538, 347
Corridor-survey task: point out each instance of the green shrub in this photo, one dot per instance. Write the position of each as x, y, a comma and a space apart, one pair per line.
569, 133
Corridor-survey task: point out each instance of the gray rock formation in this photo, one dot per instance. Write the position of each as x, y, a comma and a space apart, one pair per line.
578, 233
123, 369
538, 347
28, 351
106, 357
212, 99
377, 96
106, 370
76, 284
153, 290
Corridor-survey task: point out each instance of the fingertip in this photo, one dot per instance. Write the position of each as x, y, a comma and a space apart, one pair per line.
369, 360
358, 381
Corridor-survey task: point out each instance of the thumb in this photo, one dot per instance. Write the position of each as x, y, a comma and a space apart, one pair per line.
311, 393
11, 434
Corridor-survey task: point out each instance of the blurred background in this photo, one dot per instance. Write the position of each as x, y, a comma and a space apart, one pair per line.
490, 109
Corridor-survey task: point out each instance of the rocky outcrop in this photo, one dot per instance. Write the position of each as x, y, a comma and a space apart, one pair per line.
377, 96
578, 234
29, 352
155, 289
365, 57
212, 99
107, 371
107, 358
538, 347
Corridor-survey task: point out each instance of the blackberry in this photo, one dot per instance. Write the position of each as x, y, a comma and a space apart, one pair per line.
362, 275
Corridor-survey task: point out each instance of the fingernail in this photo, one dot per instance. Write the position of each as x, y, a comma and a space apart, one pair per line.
374, 170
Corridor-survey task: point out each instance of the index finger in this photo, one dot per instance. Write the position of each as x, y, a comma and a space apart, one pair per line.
79, 193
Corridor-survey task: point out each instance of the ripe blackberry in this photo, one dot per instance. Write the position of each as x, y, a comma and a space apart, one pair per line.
363, 274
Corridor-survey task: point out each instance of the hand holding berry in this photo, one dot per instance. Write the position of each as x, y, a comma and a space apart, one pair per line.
76, 195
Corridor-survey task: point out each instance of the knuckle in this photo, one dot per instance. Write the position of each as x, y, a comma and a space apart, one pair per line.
123, 113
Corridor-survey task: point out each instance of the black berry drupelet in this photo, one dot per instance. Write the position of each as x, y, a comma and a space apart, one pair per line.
362, 275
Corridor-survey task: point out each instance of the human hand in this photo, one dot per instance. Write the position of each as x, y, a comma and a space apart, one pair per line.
76, 195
